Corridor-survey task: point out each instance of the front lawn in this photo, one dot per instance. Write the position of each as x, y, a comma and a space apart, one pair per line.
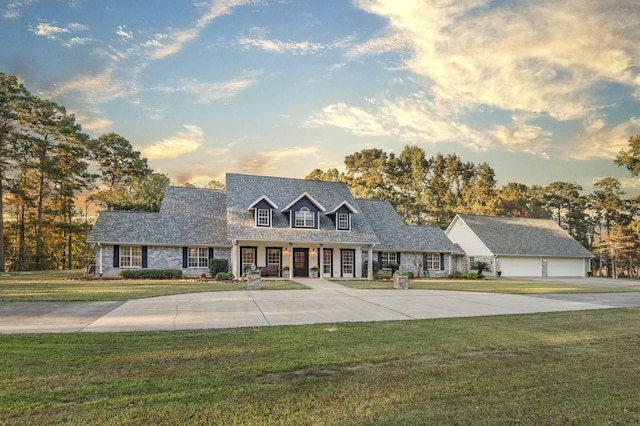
536, 369
492, 286
69, 286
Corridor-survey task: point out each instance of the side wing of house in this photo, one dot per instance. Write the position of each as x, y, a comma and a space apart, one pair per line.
186, 234
421, 250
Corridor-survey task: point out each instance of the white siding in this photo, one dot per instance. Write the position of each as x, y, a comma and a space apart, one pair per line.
460, 233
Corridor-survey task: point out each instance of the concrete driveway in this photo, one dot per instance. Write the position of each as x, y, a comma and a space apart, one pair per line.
325, 302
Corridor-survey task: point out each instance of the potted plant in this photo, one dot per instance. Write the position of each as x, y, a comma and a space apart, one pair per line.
285, 271
499, 271
589, 273
401, 279
315, 270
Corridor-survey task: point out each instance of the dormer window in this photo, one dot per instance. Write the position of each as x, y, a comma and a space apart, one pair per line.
305, 218
263, 217
344, 221
263, 211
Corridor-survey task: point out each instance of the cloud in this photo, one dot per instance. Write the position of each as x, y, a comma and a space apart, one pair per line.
174, 146
94, 88
55, 32
301, 47
122, 32
13, 9
279, 162
209, 92
174, 41
538, 56
352, 119
597, 140
91, 120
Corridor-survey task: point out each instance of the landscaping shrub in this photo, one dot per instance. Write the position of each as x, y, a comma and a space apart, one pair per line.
218, 265
223, 276
471, 276
456, 275
152, 274
383, 276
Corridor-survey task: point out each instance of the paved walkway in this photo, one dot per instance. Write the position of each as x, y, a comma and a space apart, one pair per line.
326, 302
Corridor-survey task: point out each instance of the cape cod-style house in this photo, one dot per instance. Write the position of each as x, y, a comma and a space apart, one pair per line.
275, 224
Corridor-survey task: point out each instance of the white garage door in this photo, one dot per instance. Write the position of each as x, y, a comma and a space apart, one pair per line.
520, 266
564, 267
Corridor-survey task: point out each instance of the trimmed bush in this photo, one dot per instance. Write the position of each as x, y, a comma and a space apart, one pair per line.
218, 265
456, 275
223, 276
471, 276
383, 276
151, 274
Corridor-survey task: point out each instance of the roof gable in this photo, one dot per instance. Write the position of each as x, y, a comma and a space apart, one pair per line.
340, 206
262, 200
300, 197
524, 236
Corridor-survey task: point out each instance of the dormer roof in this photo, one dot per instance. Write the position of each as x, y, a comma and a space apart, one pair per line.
345, 204
265, 199
300, 197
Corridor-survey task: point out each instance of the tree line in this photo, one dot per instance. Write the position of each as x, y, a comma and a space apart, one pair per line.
47, 165
432, 190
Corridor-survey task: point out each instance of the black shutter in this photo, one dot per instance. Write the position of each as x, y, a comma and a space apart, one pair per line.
185, 257
116, 256
380, 260
398, 260
210, 253
144, 256
442, 261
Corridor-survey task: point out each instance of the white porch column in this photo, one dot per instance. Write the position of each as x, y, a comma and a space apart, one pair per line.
290, 261
370, 264
321, 261
100, 261
234, 259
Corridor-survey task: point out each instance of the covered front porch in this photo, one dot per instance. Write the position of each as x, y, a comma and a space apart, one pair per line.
302, 259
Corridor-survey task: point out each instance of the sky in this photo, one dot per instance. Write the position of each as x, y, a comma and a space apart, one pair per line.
541, 90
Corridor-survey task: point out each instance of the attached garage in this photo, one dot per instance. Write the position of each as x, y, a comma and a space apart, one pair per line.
565, 267
520, 266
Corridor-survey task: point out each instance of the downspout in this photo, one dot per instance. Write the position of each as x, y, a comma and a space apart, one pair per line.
100, 261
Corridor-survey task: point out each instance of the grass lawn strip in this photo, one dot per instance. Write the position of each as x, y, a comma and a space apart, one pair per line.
557, 368
493, 286
58, 286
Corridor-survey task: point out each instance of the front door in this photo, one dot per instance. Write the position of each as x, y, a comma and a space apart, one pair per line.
300, 262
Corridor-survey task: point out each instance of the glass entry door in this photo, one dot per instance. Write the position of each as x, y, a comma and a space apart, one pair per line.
348, 258
300, 262
327, 255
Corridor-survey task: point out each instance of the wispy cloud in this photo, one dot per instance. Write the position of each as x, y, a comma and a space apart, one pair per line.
13, 9
174, 41
122, 32
174, 146
598, 140
94, 88
208, 92
259, 40
55, 32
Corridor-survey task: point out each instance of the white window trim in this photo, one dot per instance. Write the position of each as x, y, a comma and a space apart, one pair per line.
201, 259
435, 260
348, 220
268, 218
307, 218
127, 257
387, 255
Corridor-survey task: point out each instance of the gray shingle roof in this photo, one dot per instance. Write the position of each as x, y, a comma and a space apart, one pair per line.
243, 190
394, 234
188, 216
524, 236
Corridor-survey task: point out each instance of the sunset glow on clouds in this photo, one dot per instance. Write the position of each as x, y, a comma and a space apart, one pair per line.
284, 87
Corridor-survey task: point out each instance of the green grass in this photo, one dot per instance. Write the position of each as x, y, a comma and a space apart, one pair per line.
493, 286
69, 286
537, 369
